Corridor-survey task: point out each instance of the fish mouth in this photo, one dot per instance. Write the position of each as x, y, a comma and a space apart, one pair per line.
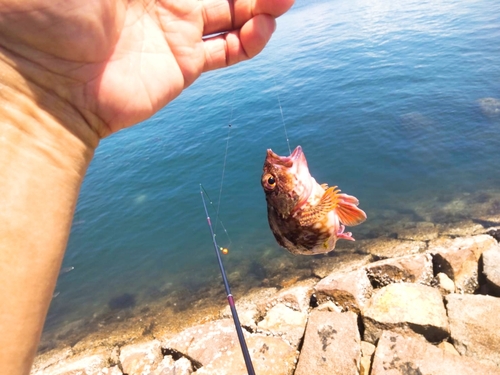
285, 161
297, 165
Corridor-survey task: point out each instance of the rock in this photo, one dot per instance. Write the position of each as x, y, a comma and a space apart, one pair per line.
444, 283
86, 365
205, 342
448, 347
297, 297
406, 308
389, 247
474, 325
331, 344
491, 270
140, 359
398, 355
170, 367
460, 229
367, 351
458, 258
270, 356
419, 231
342, 262
410, 268
490, 106
115, 370
349, 290
252, 307
282, 321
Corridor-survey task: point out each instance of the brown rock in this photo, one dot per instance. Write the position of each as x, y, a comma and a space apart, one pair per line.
270, 356
205, 342
331, 345
491, 270
390, 248
398, 355
342, 262
367, 351
410, 268
170, 367
349, 290
444, 283
406, 308
86, 365
475, 327
418, 231
140, 359
284, 322
458, 258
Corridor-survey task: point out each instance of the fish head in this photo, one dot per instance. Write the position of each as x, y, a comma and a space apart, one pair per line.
286, 181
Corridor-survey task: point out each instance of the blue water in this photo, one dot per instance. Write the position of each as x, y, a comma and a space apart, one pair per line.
383, 98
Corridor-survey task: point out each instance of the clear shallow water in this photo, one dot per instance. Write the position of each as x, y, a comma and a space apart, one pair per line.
383, 97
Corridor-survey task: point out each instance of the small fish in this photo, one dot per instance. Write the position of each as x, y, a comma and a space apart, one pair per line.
305, 217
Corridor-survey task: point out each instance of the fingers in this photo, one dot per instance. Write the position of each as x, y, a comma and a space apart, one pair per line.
235, 46
228, 15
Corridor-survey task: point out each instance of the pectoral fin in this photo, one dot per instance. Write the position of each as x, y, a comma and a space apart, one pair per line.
329, 201
348, 212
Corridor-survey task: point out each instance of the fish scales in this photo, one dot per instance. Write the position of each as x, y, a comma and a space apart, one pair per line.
305, 217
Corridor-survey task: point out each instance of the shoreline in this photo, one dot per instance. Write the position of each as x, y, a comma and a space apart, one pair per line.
400, 238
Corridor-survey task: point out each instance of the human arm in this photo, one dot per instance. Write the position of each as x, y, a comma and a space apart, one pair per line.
71, 73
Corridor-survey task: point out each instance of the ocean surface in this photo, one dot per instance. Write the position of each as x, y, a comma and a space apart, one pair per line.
387, 98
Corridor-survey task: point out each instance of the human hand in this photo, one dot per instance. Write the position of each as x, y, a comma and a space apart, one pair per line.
115, 63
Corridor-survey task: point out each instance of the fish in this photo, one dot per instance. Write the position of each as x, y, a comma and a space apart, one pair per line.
305, 217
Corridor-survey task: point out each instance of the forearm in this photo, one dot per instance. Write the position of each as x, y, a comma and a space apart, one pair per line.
45, 150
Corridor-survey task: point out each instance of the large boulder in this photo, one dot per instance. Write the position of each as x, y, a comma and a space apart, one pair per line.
406, 308
141, 358
331, 345
474, 325
491, 270
399, 355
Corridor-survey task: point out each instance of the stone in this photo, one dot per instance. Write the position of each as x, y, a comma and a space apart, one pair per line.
282, 321
448, 347
444, 283
331, 344
170, 367
115, 370
367, 350
418, 231
297, 297
474, 325
458, 258
406, 308
390, 247
251, 307
205, 342
341, 262
350, 291
141, 358
399, 355
491, 270
490, 106
270, 356
86, 365
410, 268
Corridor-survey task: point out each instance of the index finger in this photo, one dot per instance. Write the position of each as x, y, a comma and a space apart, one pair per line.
227, 15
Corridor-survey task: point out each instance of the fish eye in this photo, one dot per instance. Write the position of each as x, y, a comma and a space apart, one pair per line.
269, 182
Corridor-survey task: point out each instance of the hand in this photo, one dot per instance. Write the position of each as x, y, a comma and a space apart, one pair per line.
118, 62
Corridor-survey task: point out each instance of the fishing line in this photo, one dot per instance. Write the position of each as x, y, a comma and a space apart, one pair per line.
224, 168
282, 117
220, 221
230, 299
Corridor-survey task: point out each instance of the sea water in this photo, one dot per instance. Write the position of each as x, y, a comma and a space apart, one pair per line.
385, 97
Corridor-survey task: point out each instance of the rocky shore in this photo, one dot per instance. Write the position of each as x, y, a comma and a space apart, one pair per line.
425, 302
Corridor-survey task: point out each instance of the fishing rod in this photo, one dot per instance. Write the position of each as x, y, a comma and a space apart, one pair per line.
230, 299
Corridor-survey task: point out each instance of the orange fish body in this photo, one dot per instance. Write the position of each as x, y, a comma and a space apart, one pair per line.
305, 217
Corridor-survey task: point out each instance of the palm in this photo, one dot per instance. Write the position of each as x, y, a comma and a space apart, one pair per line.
119, 63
